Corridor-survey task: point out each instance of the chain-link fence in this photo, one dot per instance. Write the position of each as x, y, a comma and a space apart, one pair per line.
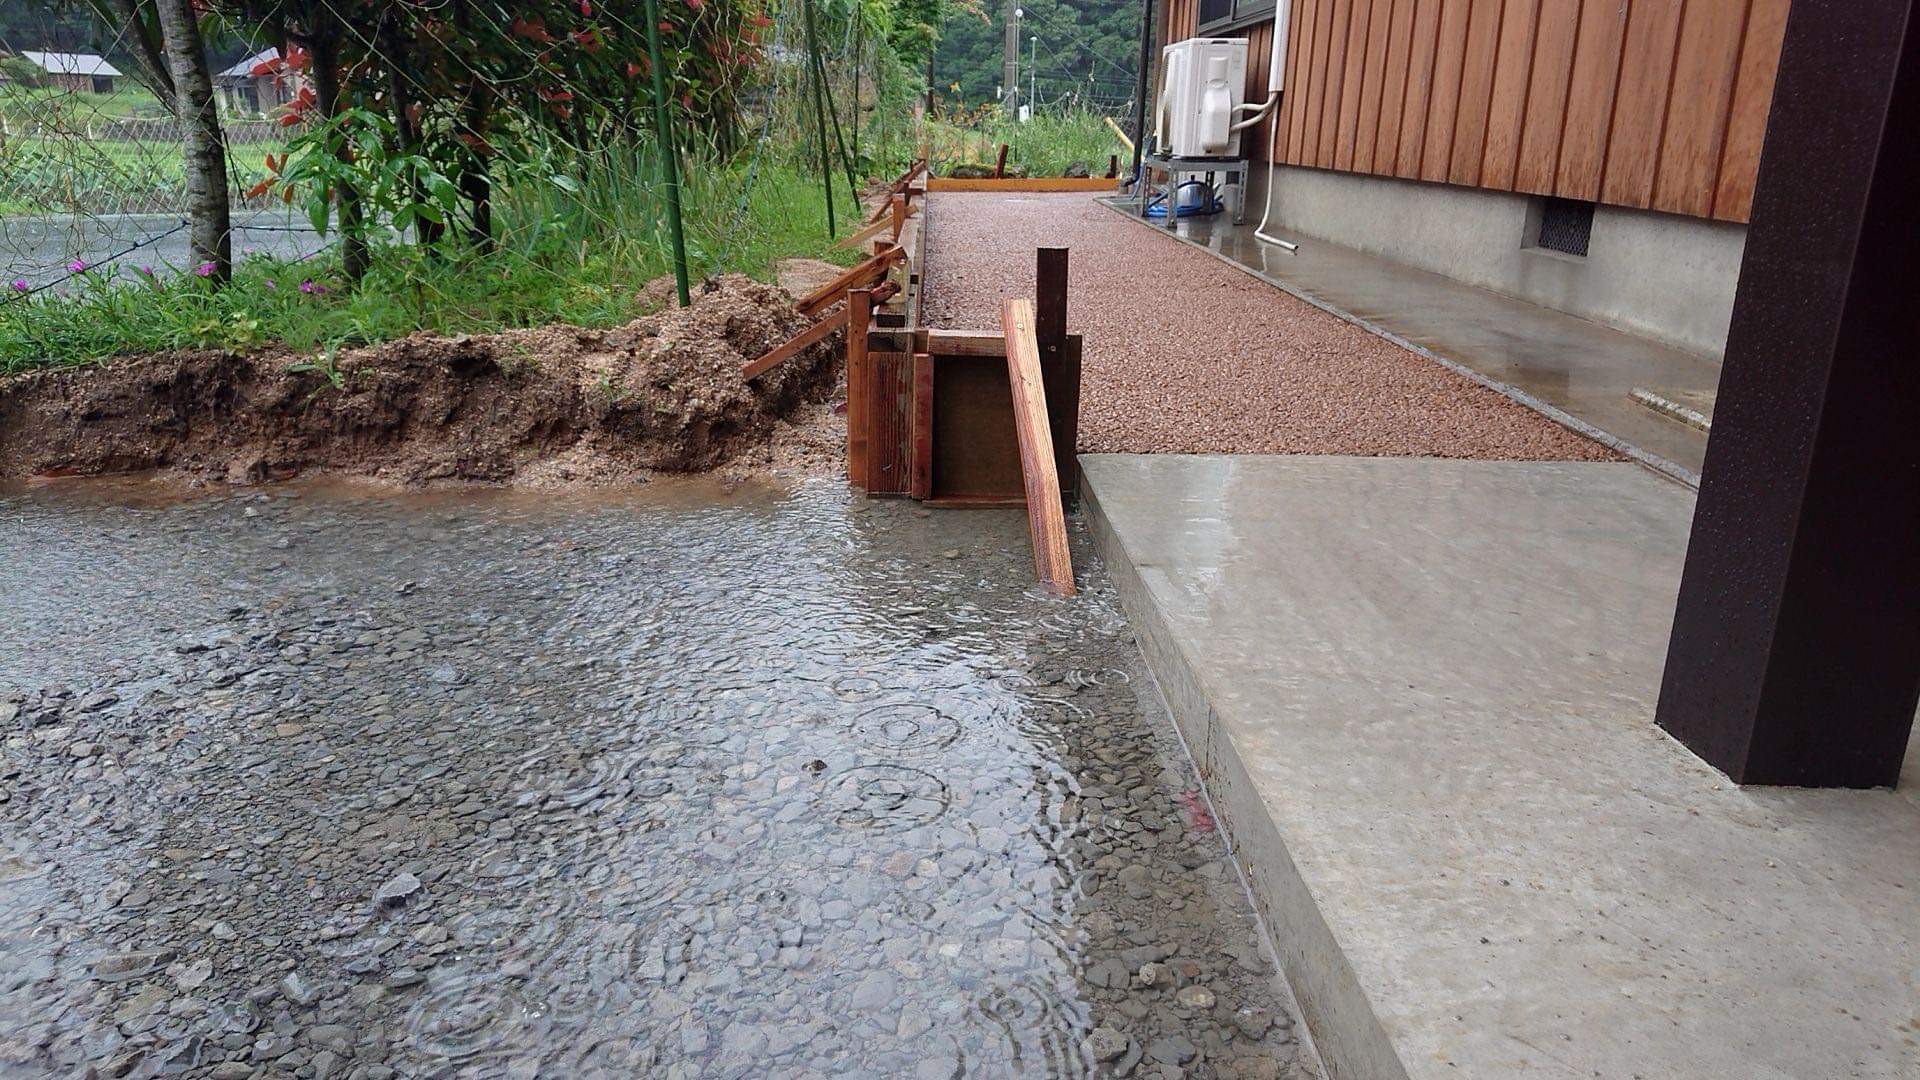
96, 179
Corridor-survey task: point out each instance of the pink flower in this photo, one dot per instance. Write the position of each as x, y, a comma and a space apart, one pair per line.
205, 269
78, 266
145, 270
271, 285
19, 284
308, 286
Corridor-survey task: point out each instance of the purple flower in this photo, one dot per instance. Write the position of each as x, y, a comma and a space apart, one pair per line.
271, 285
308, 286
146, 270
205, 269
78, 266
246, 251
19, 284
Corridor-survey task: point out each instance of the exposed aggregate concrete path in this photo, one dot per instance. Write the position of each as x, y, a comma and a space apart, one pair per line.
1185, 354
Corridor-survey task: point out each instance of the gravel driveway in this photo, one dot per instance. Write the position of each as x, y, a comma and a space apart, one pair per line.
670, 784
1185, 354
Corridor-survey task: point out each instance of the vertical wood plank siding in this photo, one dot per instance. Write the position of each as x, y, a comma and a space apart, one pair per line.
1659, 104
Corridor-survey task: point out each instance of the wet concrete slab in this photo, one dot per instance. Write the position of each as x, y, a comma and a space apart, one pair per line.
1578, 371
1421, 694
686, 781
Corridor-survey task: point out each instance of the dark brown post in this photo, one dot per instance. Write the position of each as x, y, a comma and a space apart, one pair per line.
1059, 364
1795, 656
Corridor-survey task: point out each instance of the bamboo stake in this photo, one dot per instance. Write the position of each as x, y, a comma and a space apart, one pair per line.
819, 113
663, 127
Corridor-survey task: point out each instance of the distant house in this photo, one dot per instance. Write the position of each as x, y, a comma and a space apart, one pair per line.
74, 71
257, 85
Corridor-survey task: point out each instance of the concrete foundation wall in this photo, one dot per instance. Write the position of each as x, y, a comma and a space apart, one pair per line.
1660, 276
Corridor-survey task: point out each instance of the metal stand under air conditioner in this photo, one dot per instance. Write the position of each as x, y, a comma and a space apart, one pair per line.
1176, 167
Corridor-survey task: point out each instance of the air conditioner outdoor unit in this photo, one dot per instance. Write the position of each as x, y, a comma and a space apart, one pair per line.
1203, 80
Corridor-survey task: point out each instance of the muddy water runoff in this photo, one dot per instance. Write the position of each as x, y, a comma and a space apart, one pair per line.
334, 783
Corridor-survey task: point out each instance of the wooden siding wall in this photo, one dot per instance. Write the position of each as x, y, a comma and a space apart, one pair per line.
1658, 104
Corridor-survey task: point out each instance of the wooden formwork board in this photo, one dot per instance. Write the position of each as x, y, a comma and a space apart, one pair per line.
963, 401
889, 423
1032, 184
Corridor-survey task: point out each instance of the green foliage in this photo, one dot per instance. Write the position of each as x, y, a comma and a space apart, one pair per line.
1044, 146
356, 151
1088, 52
580, 257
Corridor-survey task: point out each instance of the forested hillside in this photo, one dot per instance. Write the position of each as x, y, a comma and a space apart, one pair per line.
1086, 49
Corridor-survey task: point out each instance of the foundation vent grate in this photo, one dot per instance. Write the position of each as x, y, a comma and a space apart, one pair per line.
1566, 225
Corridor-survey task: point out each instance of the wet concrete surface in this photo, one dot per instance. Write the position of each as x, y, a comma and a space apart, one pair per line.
1427, 691
337, 783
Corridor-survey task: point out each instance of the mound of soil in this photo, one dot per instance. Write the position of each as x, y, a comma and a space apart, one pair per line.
662, 393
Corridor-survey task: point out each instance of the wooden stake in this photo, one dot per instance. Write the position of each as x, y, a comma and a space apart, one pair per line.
1046, 518
1000, 163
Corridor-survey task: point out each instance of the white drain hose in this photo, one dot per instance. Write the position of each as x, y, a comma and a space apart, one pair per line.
1273, 161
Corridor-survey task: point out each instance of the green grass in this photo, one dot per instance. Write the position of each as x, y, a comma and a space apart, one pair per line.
579, 257
50, 104
1044, 145
55, 175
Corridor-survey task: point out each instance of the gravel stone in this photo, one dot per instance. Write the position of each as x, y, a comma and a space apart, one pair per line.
657, 826
1106, 1044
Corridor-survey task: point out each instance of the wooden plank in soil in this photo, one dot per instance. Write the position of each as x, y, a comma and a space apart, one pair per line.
793, 346
865, 272
1046, 517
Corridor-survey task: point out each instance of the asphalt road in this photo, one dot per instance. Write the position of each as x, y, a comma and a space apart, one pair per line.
37, 250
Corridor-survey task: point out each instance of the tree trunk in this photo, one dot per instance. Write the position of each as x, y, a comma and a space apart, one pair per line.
324, 48
474, 181
211, 237
428, 233
136, 23
476, 184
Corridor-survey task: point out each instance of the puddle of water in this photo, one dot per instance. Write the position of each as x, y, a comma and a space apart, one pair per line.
679, 782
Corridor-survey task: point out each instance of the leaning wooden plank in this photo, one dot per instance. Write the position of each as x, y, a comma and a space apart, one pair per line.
793, 346
903, 187
1124, 141
859, 377
863, 272
1046, 518
867, 232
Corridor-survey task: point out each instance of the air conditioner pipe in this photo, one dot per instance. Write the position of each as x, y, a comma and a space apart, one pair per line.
1260, 111
1276, 80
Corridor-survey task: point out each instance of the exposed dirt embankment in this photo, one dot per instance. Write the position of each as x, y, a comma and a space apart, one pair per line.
555, 404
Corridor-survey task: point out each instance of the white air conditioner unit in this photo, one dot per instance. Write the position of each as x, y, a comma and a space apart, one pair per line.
1202, 82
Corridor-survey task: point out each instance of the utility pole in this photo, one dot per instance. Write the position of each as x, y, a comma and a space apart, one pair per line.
1010, 63
1140, 92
